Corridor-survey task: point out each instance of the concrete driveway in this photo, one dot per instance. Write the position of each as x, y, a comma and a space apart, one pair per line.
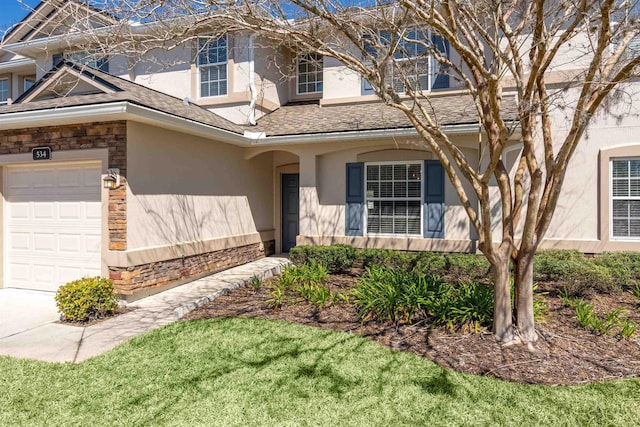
22, 310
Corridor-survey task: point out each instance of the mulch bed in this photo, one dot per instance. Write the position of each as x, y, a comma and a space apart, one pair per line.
564, 354
120, 310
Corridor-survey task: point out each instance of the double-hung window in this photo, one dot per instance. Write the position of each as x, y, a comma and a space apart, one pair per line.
309, 74
412, 63
625, 198
4, 90
212, 66
394, 198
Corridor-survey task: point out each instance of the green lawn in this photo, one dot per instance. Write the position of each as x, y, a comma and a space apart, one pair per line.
256, 372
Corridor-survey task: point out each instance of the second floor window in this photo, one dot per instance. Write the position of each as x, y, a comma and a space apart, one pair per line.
83, 57
212, 66
4, 90
412, 64
309, 74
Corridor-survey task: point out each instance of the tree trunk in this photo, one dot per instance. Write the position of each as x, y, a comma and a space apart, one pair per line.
523, 277
502, 319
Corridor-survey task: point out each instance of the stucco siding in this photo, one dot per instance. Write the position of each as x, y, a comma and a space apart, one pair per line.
183, 189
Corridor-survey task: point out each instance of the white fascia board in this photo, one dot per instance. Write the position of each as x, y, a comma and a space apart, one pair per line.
122, 110
16, 64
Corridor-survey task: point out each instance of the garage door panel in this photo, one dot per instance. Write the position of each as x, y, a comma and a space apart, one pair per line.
53, 223
19, 241
44, 242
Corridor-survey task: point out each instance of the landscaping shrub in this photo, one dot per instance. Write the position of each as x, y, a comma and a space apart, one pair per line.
389, 294
467, 266
336, 258
576, 275
471, 304
431, 262
86, 299
624, 266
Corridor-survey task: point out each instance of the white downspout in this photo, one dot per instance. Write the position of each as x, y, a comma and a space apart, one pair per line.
252, 84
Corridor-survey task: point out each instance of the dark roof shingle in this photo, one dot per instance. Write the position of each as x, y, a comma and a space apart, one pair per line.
124, 91
452, 109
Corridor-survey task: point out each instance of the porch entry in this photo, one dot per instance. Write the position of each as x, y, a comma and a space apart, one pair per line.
290, 209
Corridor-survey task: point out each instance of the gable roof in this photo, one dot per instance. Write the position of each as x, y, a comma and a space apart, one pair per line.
453, 109
53, 12
109, 89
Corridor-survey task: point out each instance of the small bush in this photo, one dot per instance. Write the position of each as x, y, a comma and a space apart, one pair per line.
625, 266
635, 291
467, 266
471, 304
87, 299
389, 294
336, 258
577, 276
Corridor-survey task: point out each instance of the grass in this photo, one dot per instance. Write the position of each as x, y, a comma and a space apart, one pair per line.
257, 372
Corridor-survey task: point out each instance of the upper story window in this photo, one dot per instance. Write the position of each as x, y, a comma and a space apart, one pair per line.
625, 198
84, 57
309, 74
212, 66
394, 198
4, 90
411, 63
28, 83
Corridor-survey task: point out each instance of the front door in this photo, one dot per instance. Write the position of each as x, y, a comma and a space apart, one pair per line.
290, 210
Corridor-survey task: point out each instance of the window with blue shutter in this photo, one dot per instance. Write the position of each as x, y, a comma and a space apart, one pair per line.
354, 200
433, 199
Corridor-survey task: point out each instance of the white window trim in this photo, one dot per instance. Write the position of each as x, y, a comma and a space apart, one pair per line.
612, 198
315, 82
216, 64
5, 79
366, 200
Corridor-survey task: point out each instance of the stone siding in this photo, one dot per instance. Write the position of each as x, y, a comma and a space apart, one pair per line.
144, 278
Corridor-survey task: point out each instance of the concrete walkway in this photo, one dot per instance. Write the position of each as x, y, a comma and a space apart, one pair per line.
55, 342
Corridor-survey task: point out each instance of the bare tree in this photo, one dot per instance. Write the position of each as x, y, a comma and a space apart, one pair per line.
487, 47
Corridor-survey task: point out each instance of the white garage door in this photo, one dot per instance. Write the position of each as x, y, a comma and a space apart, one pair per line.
52, 225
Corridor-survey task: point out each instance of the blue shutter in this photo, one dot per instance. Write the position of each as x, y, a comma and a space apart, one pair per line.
440, 79
433, 189
355, 200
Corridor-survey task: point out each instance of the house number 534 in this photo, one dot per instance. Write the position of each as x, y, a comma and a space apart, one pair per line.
41, 153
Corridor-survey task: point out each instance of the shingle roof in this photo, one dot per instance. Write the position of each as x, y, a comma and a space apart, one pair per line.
124, 91
313, 118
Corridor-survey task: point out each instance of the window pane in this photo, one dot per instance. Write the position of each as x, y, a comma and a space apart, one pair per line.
386, 225
620, 208
634, 187
309, 74
386, 208
413, 189
386, 172
414, 172
373, 172
620, 168
400, 225
400, 189
620, 228
634, 168
620, 187
386, 189
400, 172
373, 189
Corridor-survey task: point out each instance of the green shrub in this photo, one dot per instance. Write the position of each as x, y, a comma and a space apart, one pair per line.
625, 266
577, 275
635, 291
389, 294
431, 263
89, 298
336, 258
316, 294
467, 266
471, 304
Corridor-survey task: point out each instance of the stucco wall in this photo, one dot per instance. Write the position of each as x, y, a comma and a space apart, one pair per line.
323, 182
183, 188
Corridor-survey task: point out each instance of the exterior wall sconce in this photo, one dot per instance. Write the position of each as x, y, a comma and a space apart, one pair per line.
111, 180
